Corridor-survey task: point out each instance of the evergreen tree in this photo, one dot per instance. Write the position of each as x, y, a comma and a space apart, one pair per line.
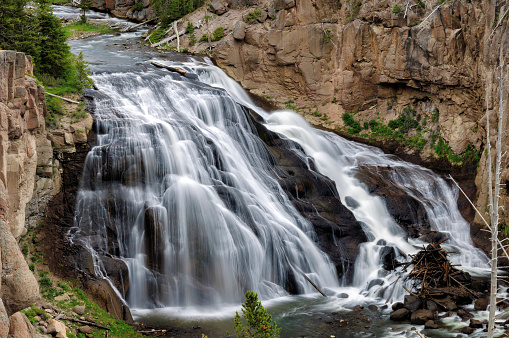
54, 54
84, 5
259, 323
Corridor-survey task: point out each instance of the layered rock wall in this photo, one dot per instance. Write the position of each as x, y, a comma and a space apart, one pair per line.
24, 148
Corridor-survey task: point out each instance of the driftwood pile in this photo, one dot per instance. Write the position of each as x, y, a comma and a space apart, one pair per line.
434, 276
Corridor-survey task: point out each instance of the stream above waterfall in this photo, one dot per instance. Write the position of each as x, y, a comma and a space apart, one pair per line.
189, 122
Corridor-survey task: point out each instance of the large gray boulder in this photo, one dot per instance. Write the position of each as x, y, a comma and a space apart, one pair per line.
239, 30
19, 286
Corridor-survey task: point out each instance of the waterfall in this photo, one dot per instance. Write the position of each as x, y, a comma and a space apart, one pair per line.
182, 189
339, 159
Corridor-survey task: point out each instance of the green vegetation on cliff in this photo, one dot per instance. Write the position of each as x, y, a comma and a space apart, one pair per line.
171, 10
410, 130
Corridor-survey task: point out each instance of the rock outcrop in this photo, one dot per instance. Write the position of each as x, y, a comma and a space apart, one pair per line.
125, 8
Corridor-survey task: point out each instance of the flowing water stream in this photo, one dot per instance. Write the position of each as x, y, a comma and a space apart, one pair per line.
181, 187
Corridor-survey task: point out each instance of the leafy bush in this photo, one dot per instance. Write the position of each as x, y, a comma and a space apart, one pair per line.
138, 7
216, 35
253, 15
397, 9
258, 322
355, 126
406, 121
190, 30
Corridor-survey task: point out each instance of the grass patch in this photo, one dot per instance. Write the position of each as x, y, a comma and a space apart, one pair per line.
76, 28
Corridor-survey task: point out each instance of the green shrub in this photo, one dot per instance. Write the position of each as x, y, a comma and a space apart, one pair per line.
218, 34
45, 282
31, 266
397, 9
138, 7
190, 30
253, 15
406, 121
355, 126
258, 322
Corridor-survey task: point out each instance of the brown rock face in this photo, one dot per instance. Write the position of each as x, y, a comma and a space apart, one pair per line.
20, 326
19, 286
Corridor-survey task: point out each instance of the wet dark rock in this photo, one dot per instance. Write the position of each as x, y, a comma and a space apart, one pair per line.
388, 257
467, 330
408, 212
381, 242
477, 324
464, 314
481, 304
433, 237
373, 307
431, 305
399, 315
315, 197
420, 317
412, 303
375, 282
397, 306
449, 305
351, 202
430, 325
343, 295
358, 308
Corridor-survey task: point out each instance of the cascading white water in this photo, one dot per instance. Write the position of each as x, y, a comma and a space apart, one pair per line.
338, 159
180, 186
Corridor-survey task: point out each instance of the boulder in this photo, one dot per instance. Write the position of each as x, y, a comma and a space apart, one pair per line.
399, 315
464, 314
358, 308
477, 324
431, 305
87, 329
79, 309
430, 325
412, 303
373, 307
56, 328
239, 30
420, 317
19, 286
218, 7
397, 306
4, 321
20, 326
449, 305
481, 304
467, 330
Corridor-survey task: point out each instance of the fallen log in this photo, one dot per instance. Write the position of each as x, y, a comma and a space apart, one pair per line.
174, 36
131, 28
62, 98
170, 68
314, 285
85, 322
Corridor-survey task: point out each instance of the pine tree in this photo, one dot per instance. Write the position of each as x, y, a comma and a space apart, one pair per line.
259, 323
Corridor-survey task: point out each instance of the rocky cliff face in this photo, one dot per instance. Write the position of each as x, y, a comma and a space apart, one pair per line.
431, 68
25, 155
124, 8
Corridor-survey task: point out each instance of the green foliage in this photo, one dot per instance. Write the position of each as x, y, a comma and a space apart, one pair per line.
34, 311
421, 4
253, 15
31, 266
504, 229
137, 7
84, 5
327, 36
391, 102
170, 10
406, 121
216, 35
190, 30
82, 73
435, 115
78, 27
45, 282
24, 249
158, 34
355, 126
397, 9
258, 323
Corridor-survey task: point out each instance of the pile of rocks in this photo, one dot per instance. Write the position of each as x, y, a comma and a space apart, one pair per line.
417, 311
